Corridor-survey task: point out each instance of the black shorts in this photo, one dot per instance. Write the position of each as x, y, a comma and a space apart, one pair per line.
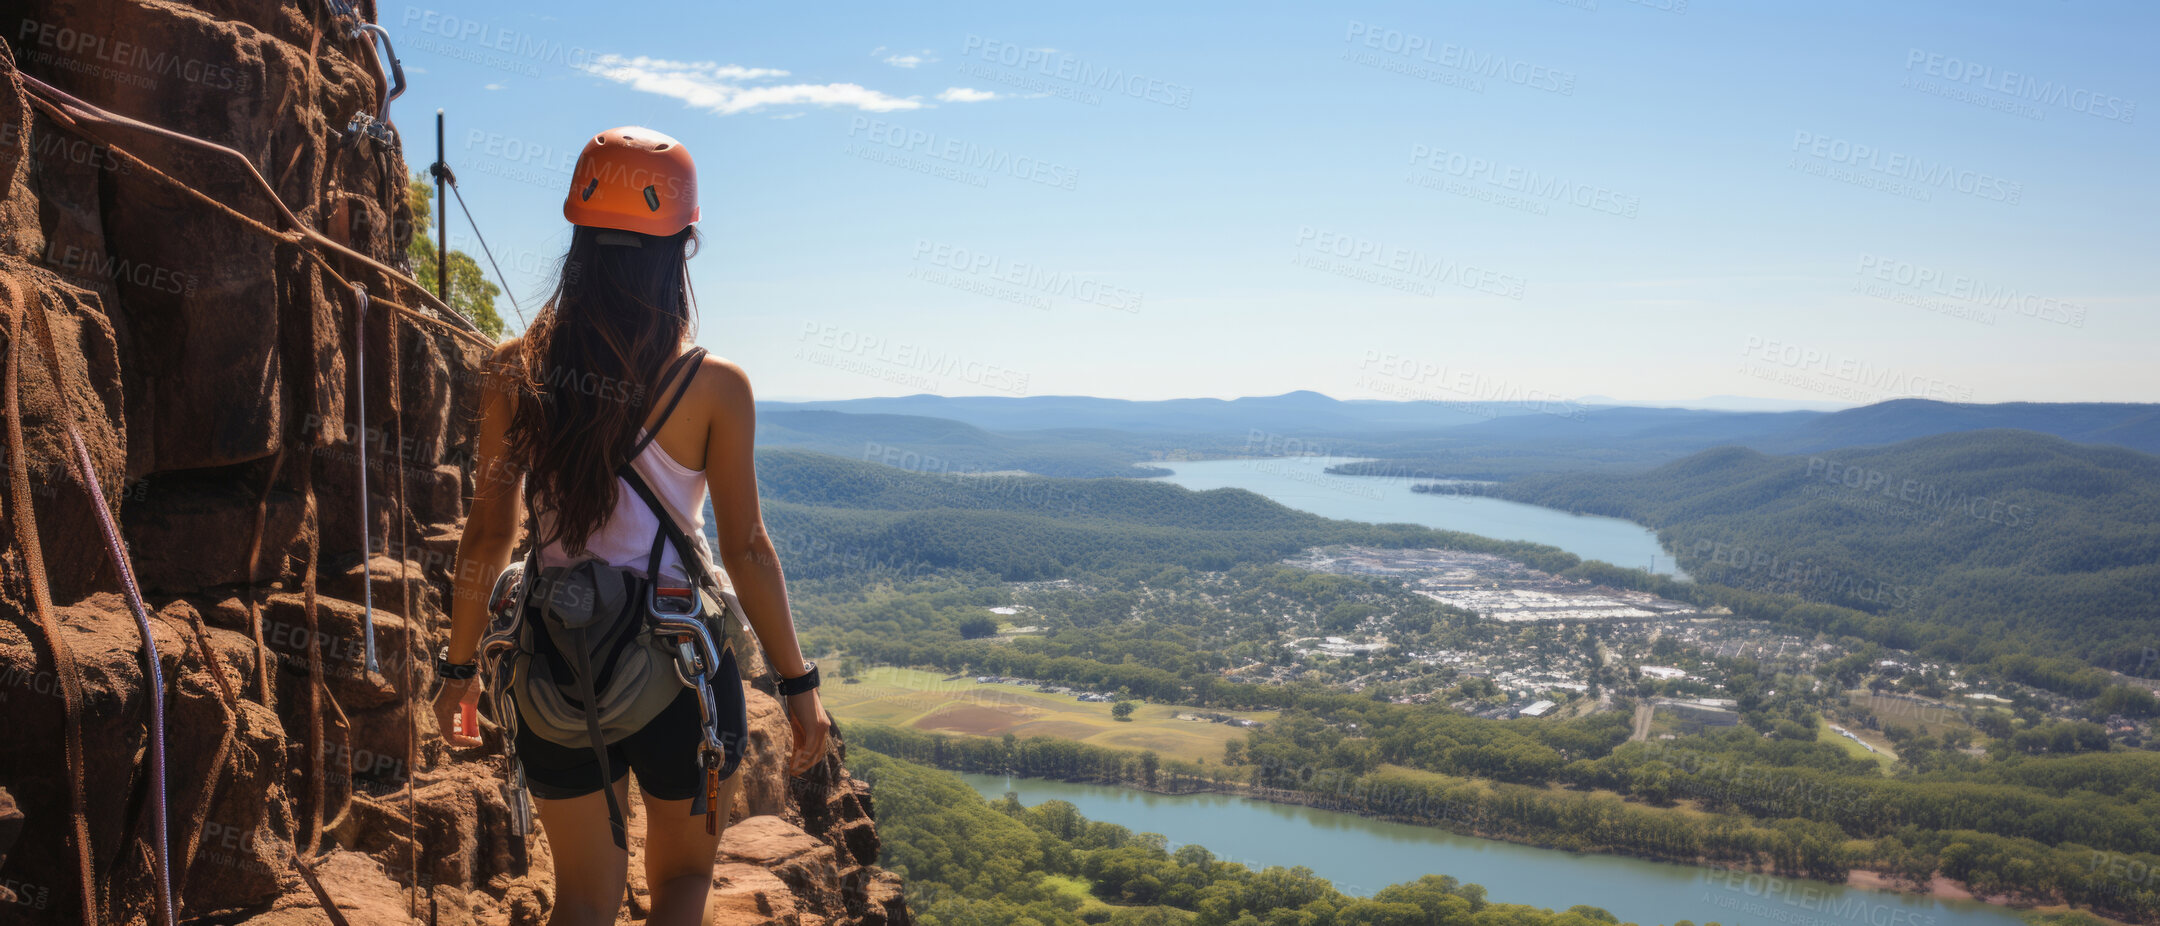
664, 752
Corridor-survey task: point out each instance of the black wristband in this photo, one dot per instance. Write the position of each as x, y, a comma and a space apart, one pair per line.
805, 682
445, 669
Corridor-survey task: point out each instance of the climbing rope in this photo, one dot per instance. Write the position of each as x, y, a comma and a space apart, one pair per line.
360, 444
507, 290
405, 665
26, 534
56, 646
86, 471
79, 116
83, 118
118, 548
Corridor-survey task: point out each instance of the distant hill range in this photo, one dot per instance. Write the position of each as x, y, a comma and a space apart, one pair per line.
2123, 424
942, 446
1303, 411
1086, 436
1992, 541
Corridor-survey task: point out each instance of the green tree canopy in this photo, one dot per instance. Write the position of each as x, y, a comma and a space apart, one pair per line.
470, 292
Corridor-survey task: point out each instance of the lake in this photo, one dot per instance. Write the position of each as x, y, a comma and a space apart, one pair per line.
1361, 855
1304, 483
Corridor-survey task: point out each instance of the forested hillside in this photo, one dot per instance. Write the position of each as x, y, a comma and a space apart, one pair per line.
2136, 426
2002, 541
1084, 436
1623, 438
831, 515
944, 446
1172, 587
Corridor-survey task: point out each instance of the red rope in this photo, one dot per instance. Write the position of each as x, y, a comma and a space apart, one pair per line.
73, 111
56, 648
161, 846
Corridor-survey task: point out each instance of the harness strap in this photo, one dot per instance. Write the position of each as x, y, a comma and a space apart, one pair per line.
695, 354
669, 531
693, 561
582, 669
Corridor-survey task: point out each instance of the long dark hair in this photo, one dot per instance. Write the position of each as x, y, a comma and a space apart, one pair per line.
588, 371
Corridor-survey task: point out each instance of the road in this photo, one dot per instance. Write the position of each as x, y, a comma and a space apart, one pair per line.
1643, 712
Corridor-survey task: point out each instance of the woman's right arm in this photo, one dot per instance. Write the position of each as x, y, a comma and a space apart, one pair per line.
491, 529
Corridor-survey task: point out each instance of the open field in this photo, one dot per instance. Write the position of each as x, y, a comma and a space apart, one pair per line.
1930, 719
925, 701
1079, 889
1882, 755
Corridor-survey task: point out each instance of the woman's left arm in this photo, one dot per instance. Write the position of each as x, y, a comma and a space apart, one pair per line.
747, 552
491, 529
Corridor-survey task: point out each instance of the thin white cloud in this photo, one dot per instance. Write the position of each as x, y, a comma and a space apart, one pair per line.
492, 87
725, 89
967, 95
900, 60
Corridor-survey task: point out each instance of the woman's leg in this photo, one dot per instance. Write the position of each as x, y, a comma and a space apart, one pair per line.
679, 858
589, 871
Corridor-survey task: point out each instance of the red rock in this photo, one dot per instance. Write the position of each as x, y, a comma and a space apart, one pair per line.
202, 365
808, 866
11, 820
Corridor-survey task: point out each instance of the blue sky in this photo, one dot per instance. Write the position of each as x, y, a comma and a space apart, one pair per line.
1834, 203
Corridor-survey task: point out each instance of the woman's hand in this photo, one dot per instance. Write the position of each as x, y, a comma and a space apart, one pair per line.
806, 718
449, 703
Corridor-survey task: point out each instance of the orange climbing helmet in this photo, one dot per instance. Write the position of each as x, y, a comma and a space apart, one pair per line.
634, 179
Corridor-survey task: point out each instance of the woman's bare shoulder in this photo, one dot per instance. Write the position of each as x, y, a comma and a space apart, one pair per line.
723, 379
507, 354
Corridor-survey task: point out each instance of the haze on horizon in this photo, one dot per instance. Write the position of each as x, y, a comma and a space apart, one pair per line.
1654, 200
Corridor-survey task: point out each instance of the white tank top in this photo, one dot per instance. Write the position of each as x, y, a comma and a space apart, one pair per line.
625, 539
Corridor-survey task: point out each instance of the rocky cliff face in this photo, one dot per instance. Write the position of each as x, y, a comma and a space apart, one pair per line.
211, 371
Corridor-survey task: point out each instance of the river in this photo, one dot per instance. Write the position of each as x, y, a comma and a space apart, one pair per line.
1361, 855
1304, 483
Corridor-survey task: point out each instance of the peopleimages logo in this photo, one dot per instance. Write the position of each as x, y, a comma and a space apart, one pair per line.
1900, 169
1922, 495
1077, 72
97, 54
2021, 87
874, 355
1418, 380
1862, 377
1523, 180
1927, 280
1458, 58
481, 42
879, 133
1034, 282
84, 264
1401, 268
1768, 898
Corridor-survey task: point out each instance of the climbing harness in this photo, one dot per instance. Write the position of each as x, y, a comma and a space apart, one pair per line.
573, 600
506, 621
678, 615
